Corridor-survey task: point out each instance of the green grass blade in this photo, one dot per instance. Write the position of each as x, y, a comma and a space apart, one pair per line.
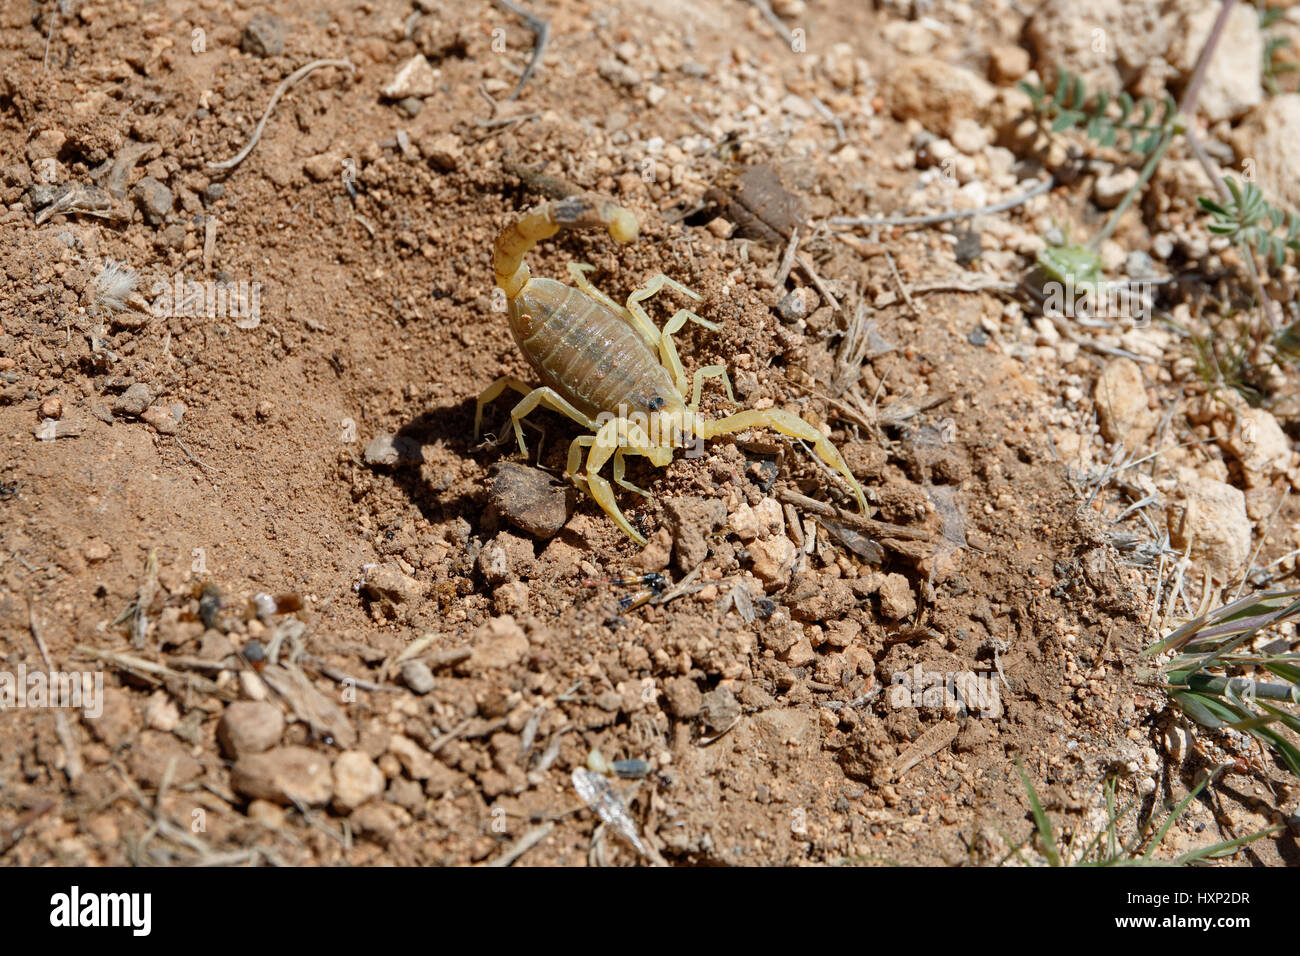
1040, 819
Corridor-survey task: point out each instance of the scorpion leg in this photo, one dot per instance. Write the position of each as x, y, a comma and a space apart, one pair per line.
786, 424
608, 443
547, 398
493, 392
710, 371
574, 467
664, 340
620, 466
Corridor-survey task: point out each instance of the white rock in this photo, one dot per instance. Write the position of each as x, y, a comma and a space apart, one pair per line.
969, 136
774, 560
160, 712
1122, 410
909, 37
1260, 445
356, 780
1106, 42
1108, 190
1232, 80
1212, 518
796, 106
415, 78
253, 687
896, 598
771, 517
1177, 741
1271, 137
1112, 255
744, 523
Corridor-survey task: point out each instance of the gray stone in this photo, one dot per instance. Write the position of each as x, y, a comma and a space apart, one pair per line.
133, 401
529, 499
263, 36
417, 676
154, 200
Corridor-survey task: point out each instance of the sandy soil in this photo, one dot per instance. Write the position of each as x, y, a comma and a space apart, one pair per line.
313, 652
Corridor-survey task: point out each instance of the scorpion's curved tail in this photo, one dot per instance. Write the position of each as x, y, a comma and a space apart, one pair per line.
545, 221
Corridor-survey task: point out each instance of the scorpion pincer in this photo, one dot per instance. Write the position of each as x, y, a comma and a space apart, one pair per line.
608, 368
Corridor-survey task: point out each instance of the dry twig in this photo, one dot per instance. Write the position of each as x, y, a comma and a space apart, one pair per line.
280, 90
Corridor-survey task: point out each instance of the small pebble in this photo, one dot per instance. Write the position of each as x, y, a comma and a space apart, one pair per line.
154, 200
356, 780
896, 599
249, 727
691, 520
1008, 63
391, 450
266, 813
720, 709
1108, 190
797, 304
529, 499
417, 676
1138, 265
263, 36
444, 150
165, 419
415, 78
683, 697
133, 401
160, 712
390, 583
285, 775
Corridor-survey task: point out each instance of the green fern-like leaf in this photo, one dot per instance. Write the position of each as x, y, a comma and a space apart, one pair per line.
1069, 106
1247, 218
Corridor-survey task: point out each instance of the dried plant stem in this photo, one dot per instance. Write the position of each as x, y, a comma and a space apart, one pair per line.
280, 90
1147, 172
1187, 107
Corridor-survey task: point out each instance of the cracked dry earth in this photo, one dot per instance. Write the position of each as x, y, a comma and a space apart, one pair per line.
332, 628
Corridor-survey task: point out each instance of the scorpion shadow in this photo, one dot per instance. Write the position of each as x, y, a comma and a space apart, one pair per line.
451, 427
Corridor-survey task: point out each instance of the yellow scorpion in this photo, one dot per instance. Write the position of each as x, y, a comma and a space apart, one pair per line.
598, 365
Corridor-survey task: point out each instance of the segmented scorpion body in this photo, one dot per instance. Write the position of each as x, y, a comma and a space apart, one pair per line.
607, 367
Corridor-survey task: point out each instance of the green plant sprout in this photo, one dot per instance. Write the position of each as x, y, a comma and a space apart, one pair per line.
1072, 262
1071, 106
1107, 849
1248, 218
1212, 646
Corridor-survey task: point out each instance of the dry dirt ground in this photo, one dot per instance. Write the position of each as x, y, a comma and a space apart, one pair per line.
318, 650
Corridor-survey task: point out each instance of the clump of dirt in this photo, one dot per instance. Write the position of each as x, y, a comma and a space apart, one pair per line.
240, 491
